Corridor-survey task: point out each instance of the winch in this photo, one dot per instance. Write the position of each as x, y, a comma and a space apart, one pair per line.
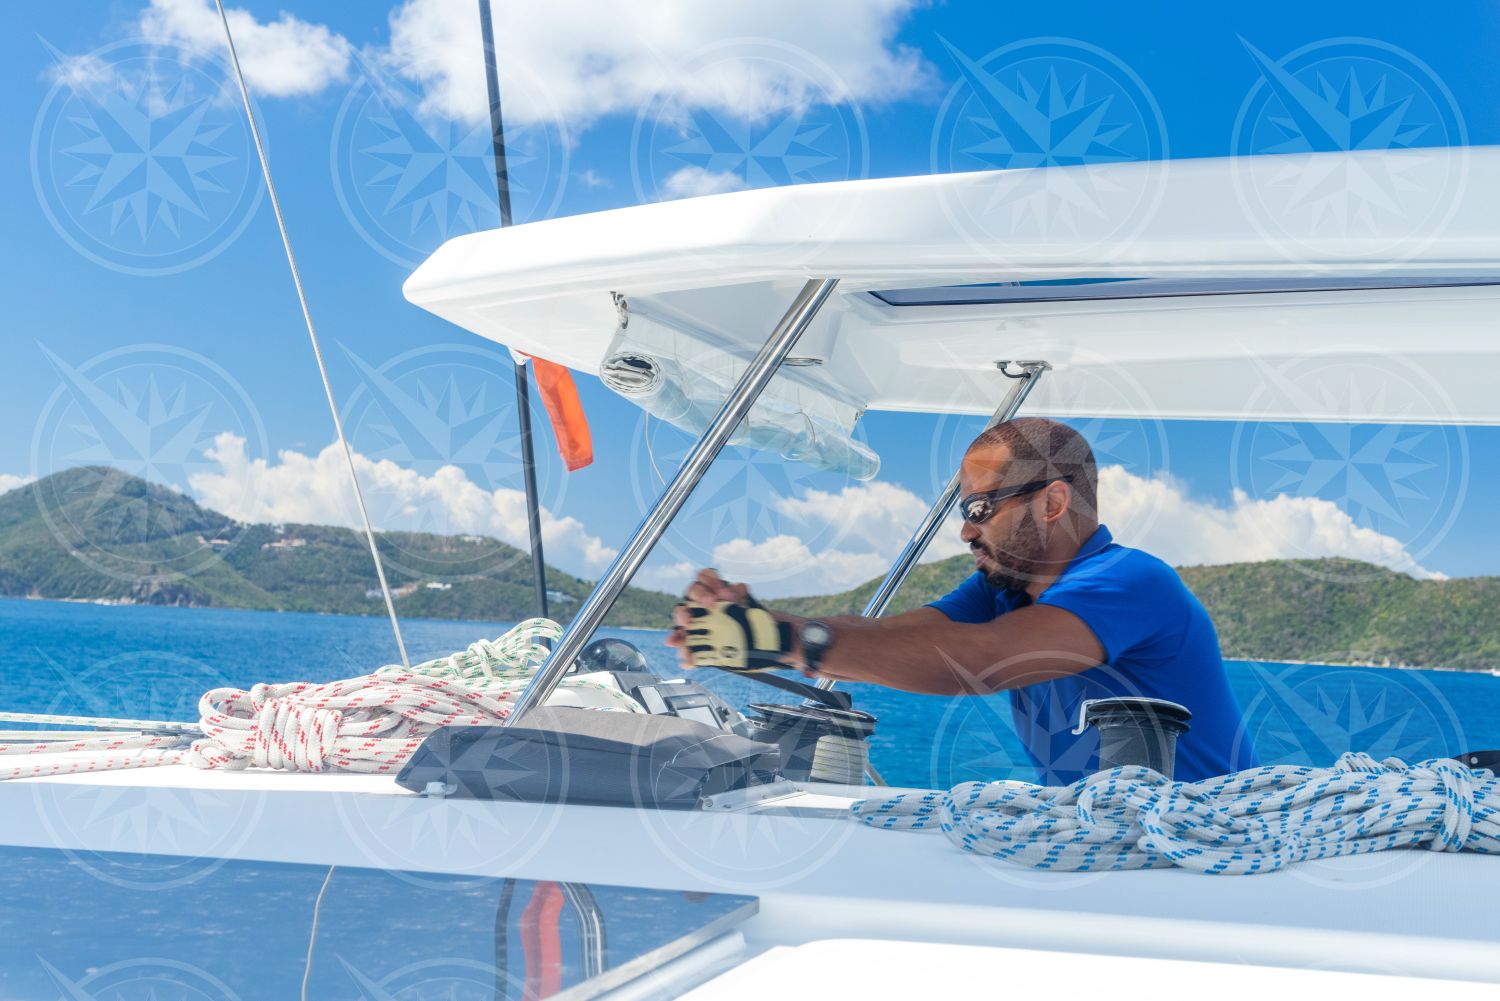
685, 747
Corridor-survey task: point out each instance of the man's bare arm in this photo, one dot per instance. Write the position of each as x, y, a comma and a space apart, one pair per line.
930, 654
924, 651
914, 616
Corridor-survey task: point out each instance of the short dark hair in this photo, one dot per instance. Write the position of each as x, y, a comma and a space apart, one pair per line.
1043, 449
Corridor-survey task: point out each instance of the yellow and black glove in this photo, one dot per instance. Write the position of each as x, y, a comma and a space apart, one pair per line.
737, 636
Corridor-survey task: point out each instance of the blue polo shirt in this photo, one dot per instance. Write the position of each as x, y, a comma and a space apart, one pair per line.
1158, 642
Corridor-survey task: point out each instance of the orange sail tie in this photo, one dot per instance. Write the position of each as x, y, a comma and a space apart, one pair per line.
560, 396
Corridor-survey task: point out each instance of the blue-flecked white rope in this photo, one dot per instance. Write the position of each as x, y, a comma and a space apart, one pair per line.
1257, 820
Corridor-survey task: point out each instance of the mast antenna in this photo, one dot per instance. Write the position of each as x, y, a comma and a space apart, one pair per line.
523, 386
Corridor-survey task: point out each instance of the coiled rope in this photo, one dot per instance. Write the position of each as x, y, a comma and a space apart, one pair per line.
1258, 820
366, 724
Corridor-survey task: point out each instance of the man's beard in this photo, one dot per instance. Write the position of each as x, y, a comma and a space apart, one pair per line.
1022, 561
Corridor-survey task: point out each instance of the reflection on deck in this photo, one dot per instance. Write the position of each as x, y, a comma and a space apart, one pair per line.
250, 930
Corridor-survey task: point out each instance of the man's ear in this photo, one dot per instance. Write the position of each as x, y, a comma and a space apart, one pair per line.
1059, 497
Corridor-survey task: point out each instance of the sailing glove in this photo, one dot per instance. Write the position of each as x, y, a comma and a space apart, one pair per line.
736, 636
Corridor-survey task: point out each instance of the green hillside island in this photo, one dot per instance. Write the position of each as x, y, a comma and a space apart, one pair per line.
94, 533
1327, 611
99, 534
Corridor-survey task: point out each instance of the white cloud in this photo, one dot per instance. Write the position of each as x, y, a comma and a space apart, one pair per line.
1157, 515
837, 540
316, 490
874, 517
690, 181
573, 61
82, 72
10, 481
593, 179
830, 540
287, 57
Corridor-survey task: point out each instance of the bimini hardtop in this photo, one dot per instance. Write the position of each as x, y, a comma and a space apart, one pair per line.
1245, 289
1174, 289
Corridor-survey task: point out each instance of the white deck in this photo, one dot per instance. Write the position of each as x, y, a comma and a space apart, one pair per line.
1407, 913
717, 272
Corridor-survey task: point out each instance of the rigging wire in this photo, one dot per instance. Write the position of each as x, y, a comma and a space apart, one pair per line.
291, 260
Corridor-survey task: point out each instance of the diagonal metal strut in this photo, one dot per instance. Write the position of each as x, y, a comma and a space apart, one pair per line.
1030, 372
674, 495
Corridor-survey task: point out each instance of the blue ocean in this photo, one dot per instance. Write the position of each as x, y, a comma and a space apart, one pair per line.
154, 663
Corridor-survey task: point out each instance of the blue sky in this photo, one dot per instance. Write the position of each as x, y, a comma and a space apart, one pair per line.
113, 298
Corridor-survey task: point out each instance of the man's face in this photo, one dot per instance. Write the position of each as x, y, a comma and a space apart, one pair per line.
1008, 547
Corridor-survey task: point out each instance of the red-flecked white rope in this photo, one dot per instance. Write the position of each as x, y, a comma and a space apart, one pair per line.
104, 754
368, 724
365, 724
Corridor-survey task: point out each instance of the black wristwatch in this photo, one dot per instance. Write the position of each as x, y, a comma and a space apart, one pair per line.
816, 637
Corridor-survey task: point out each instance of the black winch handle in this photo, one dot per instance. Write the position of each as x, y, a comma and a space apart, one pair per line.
1481, 759
824, 696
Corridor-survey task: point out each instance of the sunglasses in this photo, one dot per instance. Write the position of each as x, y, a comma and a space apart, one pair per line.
979, 508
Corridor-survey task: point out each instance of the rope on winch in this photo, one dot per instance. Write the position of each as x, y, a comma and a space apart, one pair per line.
366, 724
1257, 820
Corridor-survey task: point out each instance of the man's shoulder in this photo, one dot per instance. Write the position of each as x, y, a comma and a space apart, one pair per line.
973, 600
1140, 568
975, 585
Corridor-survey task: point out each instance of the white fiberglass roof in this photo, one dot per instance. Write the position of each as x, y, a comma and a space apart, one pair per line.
1345, 286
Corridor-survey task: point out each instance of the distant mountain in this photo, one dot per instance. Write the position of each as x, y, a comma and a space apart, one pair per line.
1325, 611
95, 533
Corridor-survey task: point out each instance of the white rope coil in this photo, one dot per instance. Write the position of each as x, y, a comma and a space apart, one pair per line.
370, 724
1258, 820
365, 724
503, 667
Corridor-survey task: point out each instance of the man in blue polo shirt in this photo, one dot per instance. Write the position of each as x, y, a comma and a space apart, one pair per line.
1055, 613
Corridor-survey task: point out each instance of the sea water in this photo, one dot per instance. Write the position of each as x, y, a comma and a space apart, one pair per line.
155, 663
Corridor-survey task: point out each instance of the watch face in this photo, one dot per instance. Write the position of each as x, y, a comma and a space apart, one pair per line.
817, 634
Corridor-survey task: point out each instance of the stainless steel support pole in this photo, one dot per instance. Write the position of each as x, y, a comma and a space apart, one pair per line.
675, 494
928, 529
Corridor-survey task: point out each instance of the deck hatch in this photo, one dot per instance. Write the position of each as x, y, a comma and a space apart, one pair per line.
1079, 289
